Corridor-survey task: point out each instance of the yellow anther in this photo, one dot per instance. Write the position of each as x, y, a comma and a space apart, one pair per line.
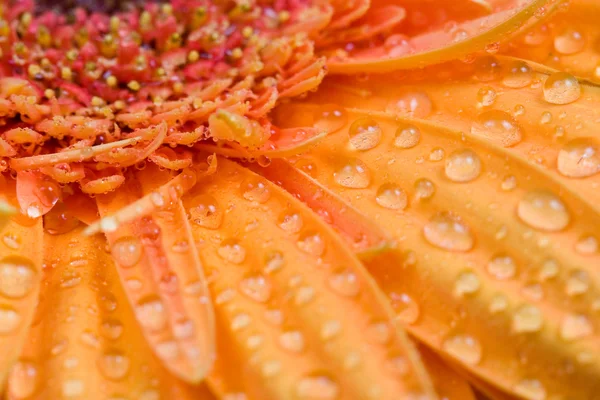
193, 56
49, 93
247, 31
112, 81
72, 55
66, 73
97, 101
237, 53
34, 70
119, 105
134, 85
284, 16
178, 87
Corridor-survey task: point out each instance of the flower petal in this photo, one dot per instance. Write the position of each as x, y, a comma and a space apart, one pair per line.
441, 45
294, 307
162, 275
85, 341
482, 260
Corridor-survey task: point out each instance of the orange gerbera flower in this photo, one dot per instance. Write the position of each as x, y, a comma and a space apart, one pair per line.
256, 199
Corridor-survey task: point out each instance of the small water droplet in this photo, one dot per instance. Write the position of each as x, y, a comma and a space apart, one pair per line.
256, 287
587, 245
317, 386
577, 283
17, 276
498, 127
364, 134
579, 158
498, 304
463, 166
570, 41
437, 154
464, 347
72, 388
151, 313
575, 326
543, 210
407, 136
531, 389
424, 189
330, 118
353, 174
344, 282
502, 267
23, 380
240, 321
127, 251
391, 196
290, 222
231, 250
312, 243
518, 74
304, 295
274, 261
9, 320
114, 365
509, 183
467, 282
292, 341
330, 329
255, 189
205, 211
407, 310
413, 104
527, 318
448, 231
486, 96
561, 88
111, 329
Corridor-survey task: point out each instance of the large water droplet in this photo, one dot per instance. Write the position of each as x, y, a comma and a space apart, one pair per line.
231, 250
330, 118
498, 127
205, 211
17, 276
391, 196
518, 74
561, 88
463, 166
353, 174
364, 133
526, 319
256, 287
448, 231
464, 347
407, 136
570, 41
317, 386
23, 380
486, 96
9, 320
543, 210
579, 158
127, 251
114, 365
413, 104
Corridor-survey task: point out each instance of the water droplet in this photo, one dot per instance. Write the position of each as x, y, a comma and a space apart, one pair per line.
379, 332
531, 389
256, 287
304, 294
407, 136
437, 154
587, 245
330, 118
167, 350
464, 347
413, 104
509, 183
312, 243
546, 117
17, 276
561, 88
205, 211
240, 321
543, 210
114, 365
317, 387
575, 326
579, 158
569, 41
502, 267
270, 368
407, 310
111, 329
330, 329
292, 341
391, 196
548, 270
526, 319
255, 189
344, 282
577, 283
486, 96
9, 320
353, 174
151, 313
73, 388
498, 127
424, 189
290, 222
364, 133
463, 166
518, 75
467, 282
231, 250
23, 380
487, 68
59, 220
448, 231
127, 251
498, 304
274, 261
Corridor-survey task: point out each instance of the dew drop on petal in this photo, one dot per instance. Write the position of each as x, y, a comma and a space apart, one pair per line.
391, 196
575, 326
587, 245
527, 318
292, 341
9, 320
255, 189
205, 211
498, 127
290, 222
311, 243
407, 136
463, 166
570, 41
127, 251
530, 389
353, 174
23, 380
502, 267
518, 74
466, 283
486, 96
424, 189
543, 210
17, 276
151, 313
231, 250
364, 133
407, 310
413, 104
344, 282
114, 365
317, 386
579, 158
561, 88
330, 118
464, 347
256, 286
448, 231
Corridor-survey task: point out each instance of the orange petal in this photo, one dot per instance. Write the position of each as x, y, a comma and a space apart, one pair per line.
295, 309
441, 45
483, 258
160, 271
85, 341
448, 383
